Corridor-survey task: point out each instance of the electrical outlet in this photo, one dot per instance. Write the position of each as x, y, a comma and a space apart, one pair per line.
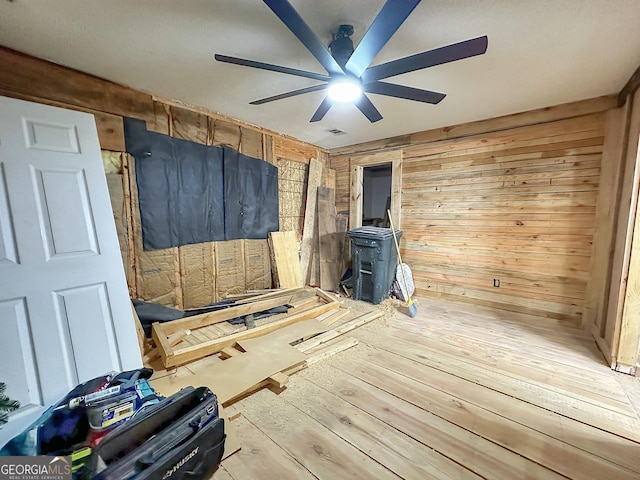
496, 282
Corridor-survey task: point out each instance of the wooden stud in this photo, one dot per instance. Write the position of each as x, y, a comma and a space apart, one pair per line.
308, 232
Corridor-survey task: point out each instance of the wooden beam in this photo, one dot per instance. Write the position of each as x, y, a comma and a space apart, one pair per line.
334, 316
329, 349
211, 318
629, 88
308, 231
331, 334
626, 215
278, 380
603, 241
627, 355
173, 340
142, 339
193, 352
41, 79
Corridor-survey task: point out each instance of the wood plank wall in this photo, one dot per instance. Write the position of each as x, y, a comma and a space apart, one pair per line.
517, 205
185, 276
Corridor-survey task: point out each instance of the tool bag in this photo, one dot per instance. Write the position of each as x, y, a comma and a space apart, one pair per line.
180, 437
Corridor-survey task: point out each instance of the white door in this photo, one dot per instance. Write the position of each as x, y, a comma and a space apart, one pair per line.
65, 314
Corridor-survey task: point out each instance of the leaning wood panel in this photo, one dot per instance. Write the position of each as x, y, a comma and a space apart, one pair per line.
628, 199
310, 226
627, 356
285, 258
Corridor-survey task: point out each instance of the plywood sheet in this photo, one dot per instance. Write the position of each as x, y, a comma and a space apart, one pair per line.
235, 375
285, 256
309, 229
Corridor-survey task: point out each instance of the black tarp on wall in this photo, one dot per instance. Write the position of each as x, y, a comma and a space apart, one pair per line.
193, 193
250, 196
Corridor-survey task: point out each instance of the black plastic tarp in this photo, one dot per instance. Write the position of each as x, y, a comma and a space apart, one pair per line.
193, 193
250, 196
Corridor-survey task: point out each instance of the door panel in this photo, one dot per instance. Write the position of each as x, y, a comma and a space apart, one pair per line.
75, 306
64, 212
16, 344
48, 135
8, 250
65, 313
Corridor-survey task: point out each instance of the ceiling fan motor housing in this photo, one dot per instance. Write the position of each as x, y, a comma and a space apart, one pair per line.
341, 46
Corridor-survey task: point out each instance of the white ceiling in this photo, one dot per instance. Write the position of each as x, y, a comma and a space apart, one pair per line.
541, 53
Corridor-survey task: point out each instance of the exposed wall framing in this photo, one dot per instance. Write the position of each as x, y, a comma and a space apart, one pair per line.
184, 276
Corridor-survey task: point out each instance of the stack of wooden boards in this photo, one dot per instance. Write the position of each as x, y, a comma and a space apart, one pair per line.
238, 363
322, 247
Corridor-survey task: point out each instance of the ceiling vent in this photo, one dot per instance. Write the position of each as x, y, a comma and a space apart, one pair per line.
336, 131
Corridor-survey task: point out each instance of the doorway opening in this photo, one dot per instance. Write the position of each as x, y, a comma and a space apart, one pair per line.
376, 195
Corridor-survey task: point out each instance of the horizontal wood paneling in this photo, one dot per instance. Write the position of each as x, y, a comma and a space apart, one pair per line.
518, 206
497, 124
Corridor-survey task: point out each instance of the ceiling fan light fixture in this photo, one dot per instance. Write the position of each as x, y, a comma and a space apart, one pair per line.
344, 90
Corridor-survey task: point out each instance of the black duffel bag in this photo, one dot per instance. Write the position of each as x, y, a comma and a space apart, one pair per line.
182, 437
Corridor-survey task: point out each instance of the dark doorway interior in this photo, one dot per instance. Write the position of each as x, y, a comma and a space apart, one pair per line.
376, 195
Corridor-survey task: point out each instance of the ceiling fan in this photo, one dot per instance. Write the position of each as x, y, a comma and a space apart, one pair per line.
349, 76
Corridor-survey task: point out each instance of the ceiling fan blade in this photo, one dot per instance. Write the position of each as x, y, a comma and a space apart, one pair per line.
401, 91
295, 23
322, 110
271, 67
450, 53
393, 13
367, 108
293, 93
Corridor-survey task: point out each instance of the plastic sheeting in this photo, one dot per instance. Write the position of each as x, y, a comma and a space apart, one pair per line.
193, 193
250, 196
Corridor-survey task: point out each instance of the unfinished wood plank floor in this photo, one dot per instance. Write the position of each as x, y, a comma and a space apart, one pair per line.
459, 392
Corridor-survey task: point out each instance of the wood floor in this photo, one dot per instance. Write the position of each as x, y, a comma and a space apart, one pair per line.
458, 392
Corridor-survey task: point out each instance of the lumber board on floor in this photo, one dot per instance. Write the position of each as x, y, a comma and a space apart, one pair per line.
231, 378
181, 355
285, 257
342, 329
328, 349
218, 316
288, 334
